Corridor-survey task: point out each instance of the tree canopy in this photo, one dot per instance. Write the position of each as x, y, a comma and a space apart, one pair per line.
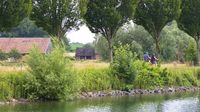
56, 16
189, 20
153, 15
26, 28
173, 44
12, 12
108, 16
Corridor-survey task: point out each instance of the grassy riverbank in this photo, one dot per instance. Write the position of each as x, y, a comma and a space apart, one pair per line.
100, 78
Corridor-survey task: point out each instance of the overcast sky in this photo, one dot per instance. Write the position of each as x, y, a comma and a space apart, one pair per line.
83, 35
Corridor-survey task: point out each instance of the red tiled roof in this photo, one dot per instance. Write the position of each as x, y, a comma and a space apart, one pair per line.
23, 45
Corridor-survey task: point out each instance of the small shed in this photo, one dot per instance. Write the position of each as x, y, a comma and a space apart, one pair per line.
85, 54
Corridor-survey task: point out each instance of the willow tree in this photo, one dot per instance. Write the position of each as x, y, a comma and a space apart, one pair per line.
107, 16
56, 16
153, 15
12, 12
189, 20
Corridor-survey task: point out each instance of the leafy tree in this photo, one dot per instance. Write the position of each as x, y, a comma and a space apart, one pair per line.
153, 15
173, 43
88, 45
56, 16
83, 6
26, 28
74, 46
101, 47
191, 51
189, 20
12, 12
138, 39
107, 17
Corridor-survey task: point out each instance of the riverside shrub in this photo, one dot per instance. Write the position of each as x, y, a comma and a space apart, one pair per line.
133, 72
148, 77
122, 64
50, 76
6, 91
182, 77
95, 79
12, 85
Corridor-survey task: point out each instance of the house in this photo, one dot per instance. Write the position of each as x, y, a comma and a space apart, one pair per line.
85, 54
23, 45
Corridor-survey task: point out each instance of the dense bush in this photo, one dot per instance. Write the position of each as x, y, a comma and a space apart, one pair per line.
136, 73
198, 74
133, 72
11, 85
148, 76
14, 54
50, 76
122, 64
6, 91
182, 77
95, 79
3, 56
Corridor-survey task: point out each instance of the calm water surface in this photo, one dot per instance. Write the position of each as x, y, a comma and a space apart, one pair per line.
189, 102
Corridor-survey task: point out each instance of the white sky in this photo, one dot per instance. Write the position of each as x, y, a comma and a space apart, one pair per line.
83, 35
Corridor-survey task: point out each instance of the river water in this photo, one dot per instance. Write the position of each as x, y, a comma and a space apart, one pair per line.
189, 102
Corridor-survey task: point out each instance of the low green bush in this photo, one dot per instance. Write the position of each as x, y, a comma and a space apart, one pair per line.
122, 64
6, 91
135, 73
11, 85
50, 76
182, 77
198, 73
3, 56
148, 77
94, 79
14, 54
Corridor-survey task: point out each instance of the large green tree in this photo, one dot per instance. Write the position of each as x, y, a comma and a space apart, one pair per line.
56, 16
26, 28
172, 45
189, 20
106, 17
12, 12
153, 15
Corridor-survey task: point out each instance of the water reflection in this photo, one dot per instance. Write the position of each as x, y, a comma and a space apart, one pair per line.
157, 103
182, 105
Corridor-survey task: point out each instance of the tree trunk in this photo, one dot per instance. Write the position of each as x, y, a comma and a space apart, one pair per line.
110, 49
157, 41
59, 34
